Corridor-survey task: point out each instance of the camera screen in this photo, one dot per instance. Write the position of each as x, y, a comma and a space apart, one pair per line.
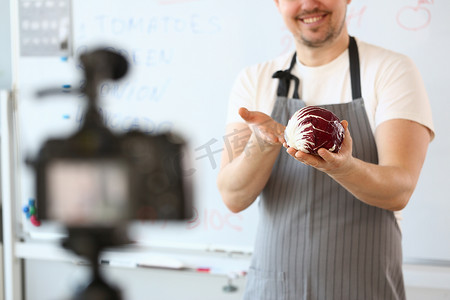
87, 192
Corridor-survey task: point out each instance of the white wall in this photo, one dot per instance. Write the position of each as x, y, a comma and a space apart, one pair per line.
5, 46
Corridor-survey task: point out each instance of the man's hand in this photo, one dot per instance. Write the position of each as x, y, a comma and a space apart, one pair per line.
335, 164
245, 170
263, 126
388, 184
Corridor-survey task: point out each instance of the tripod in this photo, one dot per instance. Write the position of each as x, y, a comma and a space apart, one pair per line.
89, 243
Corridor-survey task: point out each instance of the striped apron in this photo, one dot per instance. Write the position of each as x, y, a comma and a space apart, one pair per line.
315, 240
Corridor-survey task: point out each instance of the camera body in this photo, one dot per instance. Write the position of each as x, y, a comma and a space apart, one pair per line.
96, 178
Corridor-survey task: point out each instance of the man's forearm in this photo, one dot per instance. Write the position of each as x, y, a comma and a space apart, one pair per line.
243, 178
387, 187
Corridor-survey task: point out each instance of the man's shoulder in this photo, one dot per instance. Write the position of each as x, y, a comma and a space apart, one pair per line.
375, 53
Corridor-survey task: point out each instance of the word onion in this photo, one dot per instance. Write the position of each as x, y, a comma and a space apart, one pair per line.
312, 128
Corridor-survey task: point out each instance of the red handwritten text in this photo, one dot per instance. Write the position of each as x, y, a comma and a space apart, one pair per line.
213, 219
415, 18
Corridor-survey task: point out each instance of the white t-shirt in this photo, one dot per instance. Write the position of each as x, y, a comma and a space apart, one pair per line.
391, 85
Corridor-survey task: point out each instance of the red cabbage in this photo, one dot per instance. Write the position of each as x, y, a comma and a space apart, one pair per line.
312, 128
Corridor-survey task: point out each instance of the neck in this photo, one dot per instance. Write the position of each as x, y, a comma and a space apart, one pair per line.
318, 56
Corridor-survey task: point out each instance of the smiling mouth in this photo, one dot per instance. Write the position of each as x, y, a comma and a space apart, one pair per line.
311, 20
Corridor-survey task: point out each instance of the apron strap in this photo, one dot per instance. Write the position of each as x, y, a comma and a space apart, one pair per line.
354, 68
285, 78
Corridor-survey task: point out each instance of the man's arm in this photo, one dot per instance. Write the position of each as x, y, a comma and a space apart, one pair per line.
245, 170
402, 146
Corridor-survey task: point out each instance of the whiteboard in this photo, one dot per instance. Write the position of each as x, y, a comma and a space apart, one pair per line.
185, 55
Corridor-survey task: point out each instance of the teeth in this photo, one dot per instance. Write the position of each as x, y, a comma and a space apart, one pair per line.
311, 20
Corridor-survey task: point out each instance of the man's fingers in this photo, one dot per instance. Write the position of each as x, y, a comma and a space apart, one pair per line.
244, 113
344, 124
291, 151
251, 117
263, 125
326, 155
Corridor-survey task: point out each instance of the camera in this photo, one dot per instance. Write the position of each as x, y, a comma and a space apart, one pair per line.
98, 178
94, 182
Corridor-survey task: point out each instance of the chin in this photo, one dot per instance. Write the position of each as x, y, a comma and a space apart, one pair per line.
313, 43
316, 40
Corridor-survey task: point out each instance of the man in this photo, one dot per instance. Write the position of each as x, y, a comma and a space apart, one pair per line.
327, 228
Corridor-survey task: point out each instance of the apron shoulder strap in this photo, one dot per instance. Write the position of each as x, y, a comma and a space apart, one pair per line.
354, 68
285, 78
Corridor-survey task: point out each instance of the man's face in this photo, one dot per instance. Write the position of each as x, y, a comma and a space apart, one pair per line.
314, 23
